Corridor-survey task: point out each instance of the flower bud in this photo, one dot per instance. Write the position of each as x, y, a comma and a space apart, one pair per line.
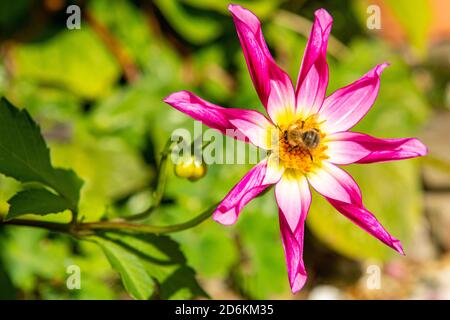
190, 168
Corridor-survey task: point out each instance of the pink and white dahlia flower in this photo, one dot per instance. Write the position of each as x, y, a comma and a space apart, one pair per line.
313, 137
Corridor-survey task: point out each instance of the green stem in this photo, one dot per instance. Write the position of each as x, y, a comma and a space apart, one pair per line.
160, 181
84, 229
74, 217
160, 184
52, 226
142, 228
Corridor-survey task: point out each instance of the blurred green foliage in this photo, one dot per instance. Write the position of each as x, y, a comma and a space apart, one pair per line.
110, 131
414, 16
62, 62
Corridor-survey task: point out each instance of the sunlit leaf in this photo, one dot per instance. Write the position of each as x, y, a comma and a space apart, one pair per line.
150, 265
134, 276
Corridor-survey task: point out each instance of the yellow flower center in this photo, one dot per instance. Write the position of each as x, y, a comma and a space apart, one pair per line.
300, 145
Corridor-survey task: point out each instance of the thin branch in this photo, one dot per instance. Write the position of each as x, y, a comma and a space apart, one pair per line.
52, 226
143, 228
74, 219
160, 184
89, 228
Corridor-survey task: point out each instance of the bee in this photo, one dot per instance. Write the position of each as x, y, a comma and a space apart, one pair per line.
296, 137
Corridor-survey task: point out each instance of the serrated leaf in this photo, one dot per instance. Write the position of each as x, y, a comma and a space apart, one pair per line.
134, 276
24, 155
35, 201
145, 262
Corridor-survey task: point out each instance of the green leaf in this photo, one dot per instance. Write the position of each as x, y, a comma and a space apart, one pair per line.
36, 264
150, 265
8, 187
134, 276
36, 201
24, 155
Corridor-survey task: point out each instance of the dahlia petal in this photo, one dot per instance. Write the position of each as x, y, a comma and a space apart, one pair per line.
256, 127
312, 80
293, 250
352, 147
345, 151
333, 183
253, 125
201, 110
281, 102
274, 170
367, 221
293, 198
273, 85
252, 184
347, 106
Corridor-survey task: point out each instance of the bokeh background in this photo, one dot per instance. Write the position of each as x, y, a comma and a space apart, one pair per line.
97, 94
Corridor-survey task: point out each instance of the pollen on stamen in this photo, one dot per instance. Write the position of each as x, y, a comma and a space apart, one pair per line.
298, 156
